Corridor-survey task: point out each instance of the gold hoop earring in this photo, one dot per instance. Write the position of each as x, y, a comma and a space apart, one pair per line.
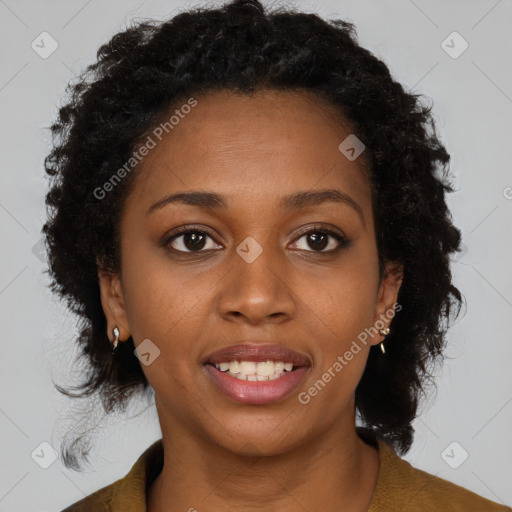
383, 332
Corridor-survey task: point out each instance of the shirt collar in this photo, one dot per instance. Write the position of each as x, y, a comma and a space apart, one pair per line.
129, 493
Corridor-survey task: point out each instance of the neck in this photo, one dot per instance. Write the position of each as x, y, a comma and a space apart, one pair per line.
335, 468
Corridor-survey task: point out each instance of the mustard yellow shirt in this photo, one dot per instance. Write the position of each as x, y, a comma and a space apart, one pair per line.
400, 488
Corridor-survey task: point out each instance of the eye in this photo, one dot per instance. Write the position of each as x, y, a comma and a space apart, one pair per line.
318, 240
192, 240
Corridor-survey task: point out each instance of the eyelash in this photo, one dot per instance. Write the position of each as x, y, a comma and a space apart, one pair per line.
343, 242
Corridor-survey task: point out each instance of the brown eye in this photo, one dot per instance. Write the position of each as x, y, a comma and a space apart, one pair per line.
318, 240
192, 240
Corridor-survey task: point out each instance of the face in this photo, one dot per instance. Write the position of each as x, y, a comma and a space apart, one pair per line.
257, 269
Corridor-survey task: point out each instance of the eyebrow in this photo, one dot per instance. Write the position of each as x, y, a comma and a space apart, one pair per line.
296, 201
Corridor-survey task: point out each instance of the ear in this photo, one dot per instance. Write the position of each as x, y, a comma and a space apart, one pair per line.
112, 301
387, 298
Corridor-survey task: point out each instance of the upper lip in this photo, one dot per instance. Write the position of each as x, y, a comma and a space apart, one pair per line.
258, 353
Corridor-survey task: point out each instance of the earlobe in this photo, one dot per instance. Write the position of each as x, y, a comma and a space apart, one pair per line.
387, 297
112, 301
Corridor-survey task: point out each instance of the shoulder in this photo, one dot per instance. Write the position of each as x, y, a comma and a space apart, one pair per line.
128, 494
99, 501
400, 486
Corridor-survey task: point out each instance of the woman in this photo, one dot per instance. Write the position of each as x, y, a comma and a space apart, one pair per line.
247, 212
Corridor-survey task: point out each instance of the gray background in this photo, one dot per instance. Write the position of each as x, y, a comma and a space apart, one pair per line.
473, 105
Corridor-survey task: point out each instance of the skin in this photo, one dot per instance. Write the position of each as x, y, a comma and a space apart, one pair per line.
219, 454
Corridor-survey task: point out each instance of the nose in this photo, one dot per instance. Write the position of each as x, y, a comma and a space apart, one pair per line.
258, 291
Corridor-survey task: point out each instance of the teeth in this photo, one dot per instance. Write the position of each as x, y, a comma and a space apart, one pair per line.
252, 371
247, 367
265, 369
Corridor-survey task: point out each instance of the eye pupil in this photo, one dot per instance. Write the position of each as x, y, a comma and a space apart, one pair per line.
195, 239
316, 238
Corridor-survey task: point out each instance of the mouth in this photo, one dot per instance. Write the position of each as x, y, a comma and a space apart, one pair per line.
256, 374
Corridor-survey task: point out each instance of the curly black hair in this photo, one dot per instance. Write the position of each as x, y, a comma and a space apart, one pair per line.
148, 69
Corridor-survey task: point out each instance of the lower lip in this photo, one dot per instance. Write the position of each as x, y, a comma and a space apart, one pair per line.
257, 392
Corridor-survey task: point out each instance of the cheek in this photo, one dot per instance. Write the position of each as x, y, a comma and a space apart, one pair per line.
163, 308
349, 304
157, 299
166, 306
341, 355
347, 311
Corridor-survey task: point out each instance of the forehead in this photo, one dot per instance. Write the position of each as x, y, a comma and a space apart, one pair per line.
261, 146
